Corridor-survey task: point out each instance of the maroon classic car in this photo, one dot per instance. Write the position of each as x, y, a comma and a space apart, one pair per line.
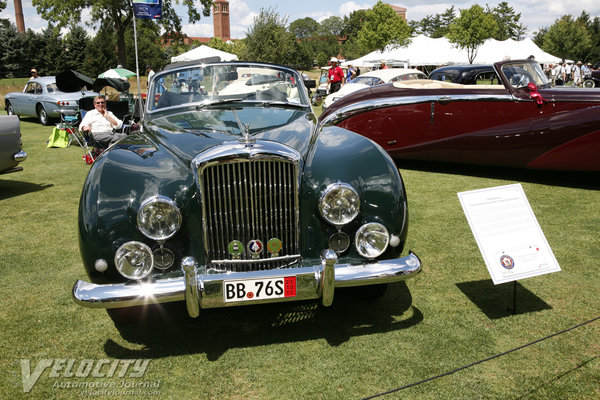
524, 122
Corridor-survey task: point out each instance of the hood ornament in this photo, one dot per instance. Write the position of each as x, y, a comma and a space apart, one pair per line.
245, 130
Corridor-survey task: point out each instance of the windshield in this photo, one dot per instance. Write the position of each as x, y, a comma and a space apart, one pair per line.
520, 73
221, 83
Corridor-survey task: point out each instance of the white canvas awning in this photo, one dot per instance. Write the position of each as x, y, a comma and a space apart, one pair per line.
423, 50
203, 51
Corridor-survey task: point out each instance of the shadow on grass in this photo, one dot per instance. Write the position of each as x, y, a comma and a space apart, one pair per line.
496, 301
574, 179
168, 330
10, 189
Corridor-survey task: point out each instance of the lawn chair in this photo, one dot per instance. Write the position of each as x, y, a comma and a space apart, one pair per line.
70, 123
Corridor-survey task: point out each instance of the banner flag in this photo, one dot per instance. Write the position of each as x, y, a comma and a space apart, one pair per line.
150, 9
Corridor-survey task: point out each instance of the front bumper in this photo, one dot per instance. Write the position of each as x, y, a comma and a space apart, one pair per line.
200, 290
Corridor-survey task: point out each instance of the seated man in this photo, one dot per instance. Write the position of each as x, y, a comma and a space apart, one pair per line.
101, 122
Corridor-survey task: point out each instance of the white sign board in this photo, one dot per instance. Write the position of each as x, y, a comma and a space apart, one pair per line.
509, 237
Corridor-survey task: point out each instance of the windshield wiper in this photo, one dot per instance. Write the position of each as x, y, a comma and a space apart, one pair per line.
282, 104
212, 103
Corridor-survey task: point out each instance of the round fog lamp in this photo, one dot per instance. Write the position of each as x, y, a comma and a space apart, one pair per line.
339, 204
339, 242
134, 260
158, 218
371, 240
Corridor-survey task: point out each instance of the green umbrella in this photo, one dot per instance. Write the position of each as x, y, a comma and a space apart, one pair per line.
117, 73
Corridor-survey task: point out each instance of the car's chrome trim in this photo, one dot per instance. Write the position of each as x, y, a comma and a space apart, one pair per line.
378, 103
200, 290
20, 156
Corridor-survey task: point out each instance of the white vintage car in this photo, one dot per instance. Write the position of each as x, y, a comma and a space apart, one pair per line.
377, 77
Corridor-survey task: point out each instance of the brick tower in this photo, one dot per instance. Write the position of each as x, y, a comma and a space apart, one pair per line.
221, 19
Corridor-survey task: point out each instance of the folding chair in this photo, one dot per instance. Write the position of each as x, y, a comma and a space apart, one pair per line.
69, 122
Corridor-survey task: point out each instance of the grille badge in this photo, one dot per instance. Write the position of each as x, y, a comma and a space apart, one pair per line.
274, 247
255, 247
235, 249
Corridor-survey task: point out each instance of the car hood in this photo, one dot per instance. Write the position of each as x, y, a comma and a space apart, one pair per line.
188, 134
345, 90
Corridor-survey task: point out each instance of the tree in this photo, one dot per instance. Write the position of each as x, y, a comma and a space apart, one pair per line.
331, 26
303, 28
383, 27
53, 51
268, 40
471, 29
351, 47
117, 14
100, 53
150, 51
11, 51
568, 38
507, 22
76, 44
436, 26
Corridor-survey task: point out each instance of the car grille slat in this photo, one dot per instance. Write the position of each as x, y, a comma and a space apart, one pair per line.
249, 200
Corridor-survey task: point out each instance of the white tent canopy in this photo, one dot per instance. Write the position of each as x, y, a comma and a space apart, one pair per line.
204, 51
423, 50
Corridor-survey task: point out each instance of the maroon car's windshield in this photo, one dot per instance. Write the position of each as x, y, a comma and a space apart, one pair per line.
520, 73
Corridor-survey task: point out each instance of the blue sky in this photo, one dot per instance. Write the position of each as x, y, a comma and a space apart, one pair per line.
534, 13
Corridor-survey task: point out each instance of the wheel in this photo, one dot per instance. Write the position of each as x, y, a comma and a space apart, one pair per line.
9, 108
43, 116
589, 83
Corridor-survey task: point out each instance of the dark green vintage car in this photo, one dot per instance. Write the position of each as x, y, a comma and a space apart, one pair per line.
231, 194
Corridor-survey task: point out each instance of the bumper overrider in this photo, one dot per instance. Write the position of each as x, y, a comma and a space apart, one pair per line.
200, 290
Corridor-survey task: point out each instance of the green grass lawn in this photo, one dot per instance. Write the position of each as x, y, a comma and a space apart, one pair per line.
449, 316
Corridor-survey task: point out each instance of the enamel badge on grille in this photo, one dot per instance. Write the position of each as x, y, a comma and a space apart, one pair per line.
274, 247
255, 247
235, 249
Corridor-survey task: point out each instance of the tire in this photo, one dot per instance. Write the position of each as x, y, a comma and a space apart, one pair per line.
10, 109
589, 83
43, 115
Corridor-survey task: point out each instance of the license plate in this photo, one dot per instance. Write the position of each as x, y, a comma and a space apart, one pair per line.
259, 289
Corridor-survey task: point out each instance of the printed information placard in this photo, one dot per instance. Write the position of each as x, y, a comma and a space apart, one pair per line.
509, 237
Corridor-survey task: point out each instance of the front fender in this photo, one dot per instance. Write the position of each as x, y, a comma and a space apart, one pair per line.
342, 155
118, 181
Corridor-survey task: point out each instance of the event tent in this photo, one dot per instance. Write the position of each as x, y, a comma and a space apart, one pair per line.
203, 51
423, 50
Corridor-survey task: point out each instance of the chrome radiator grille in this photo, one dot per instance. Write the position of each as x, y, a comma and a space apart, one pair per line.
248, 201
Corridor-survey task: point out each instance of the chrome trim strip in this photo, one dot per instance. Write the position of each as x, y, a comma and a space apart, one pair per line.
294, 257
377, 103
209, 288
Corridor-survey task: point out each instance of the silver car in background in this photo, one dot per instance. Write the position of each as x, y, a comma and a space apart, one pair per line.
41, 98
11, 152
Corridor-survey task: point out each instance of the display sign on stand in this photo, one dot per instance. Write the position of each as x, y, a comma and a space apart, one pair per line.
507, 232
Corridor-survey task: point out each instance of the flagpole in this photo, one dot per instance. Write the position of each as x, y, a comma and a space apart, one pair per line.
137, 66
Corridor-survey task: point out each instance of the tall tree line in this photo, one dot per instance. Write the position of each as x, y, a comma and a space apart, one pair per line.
51, 51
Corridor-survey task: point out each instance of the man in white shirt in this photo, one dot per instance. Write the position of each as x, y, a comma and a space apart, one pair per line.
101, 123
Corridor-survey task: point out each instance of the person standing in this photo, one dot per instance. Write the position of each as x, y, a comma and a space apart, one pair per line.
351, 74
34, 73
150, 74
335, 76
577, 73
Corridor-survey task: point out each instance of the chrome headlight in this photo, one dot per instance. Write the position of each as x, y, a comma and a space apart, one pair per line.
134, 260
371, 240
339, 204
158, 218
